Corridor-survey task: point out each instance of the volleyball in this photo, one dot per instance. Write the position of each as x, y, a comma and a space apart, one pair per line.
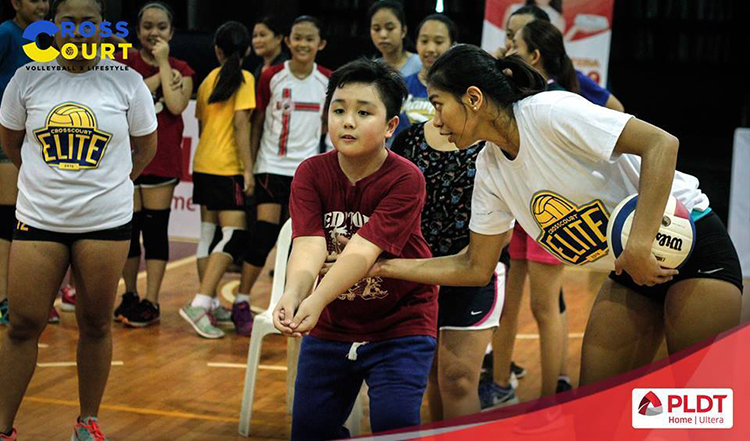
71, 115
674, 242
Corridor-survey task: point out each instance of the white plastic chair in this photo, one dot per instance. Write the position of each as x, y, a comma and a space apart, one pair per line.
263, 325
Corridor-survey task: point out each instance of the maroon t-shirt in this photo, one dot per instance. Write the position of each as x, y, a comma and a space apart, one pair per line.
385, 208
168, 160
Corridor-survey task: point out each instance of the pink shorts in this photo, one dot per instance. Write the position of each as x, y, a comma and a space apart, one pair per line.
524, 247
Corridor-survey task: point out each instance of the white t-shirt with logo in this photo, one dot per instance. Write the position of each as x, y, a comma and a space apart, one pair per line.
76, 152
565, 180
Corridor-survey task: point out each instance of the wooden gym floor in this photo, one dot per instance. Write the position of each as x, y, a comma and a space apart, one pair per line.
167, 383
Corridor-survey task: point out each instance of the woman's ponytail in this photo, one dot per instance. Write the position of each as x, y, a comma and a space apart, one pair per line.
233, 40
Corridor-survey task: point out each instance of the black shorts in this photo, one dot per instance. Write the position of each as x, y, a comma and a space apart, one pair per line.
7, 221
272, 189
27, 232
471, 307
153, 181
713, 257
219, 193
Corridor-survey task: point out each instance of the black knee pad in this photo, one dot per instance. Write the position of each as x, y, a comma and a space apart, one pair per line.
562, 302
135, 235
261, 243
7, 221
155, 234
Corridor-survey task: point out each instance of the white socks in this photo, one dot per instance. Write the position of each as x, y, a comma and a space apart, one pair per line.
239, 298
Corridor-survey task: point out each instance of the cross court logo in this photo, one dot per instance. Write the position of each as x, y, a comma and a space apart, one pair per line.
70, 50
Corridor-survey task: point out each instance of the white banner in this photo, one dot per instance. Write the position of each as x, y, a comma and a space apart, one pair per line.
739, 198
585, 25
185, 221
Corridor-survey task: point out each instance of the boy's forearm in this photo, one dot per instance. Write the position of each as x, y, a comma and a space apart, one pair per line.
302, 270
348, 270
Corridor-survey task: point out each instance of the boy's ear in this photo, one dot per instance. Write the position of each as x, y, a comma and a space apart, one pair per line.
322, 45
391, 126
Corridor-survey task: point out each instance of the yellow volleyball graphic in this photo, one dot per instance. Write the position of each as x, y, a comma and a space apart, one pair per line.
71, 115
549, 208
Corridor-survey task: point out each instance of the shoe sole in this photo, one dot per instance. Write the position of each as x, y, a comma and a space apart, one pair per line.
510, 402
127, 322
67, 307
184, 315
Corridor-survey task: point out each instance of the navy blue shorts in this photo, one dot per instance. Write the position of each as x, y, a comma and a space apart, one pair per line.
27, 232
713, 257
330, 375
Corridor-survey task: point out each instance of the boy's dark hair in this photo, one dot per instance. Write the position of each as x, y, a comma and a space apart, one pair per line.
387, 81
452, 28
309, 19
535, 11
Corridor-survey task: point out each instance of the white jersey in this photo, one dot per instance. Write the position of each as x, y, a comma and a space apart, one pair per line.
565, 180
293, 118
76, 151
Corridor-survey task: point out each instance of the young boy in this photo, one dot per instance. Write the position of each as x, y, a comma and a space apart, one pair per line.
360, 328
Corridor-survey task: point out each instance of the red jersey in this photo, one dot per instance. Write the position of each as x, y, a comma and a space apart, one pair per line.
168, 160
385, 208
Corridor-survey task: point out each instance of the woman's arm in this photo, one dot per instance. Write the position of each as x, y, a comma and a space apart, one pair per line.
144, 149
471, 268
241, 123
259, 117
658, 152
11, 141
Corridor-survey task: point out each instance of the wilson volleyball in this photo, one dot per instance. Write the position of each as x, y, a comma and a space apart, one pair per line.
674, 241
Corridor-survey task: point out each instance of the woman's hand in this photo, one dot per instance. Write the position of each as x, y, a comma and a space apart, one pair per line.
249, 179
176, 83
160, 51
642, 267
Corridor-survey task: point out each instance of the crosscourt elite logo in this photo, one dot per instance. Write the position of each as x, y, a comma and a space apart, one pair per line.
69, 50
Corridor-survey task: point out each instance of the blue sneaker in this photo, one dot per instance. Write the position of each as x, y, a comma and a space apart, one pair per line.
493, 395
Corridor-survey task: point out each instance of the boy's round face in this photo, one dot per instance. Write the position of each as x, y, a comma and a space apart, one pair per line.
304, 42
357, 120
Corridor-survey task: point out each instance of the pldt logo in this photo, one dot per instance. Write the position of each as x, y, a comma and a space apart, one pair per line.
653, 400
685, 408
70, 50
